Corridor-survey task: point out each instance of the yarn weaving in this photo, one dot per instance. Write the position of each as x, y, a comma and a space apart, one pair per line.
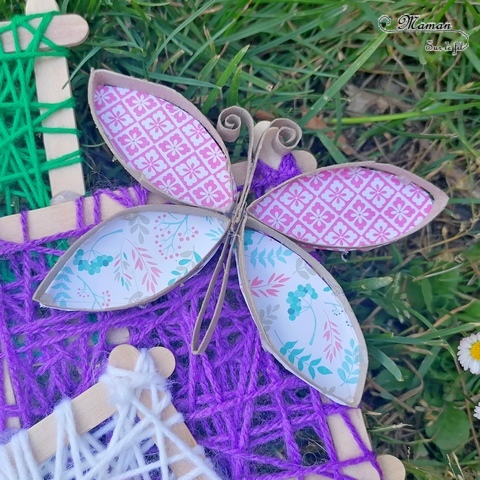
23, 163
256, 420
130, 451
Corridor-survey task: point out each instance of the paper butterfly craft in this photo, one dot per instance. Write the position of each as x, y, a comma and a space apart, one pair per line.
136, 256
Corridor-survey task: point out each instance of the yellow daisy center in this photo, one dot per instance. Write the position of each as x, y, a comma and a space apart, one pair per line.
475, 351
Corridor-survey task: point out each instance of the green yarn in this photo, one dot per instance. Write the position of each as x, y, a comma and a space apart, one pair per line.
23, 164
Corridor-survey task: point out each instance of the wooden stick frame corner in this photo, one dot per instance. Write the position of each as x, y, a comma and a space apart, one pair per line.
53, 86
92, 407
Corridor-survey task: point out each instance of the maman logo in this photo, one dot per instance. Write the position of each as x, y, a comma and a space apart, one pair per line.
412, 23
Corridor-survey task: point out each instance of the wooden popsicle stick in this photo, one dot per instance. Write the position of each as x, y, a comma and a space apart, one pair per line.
59, 218
55, 219
346, 447
115, 336
125, 354
392, 467
52, 81
92, 407
65, 31
12, 422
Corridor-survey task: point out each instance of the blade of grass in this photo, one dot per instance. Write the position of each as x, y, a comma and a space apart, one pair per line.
204, 47
184, 24
233, 96
386, 361
203, 75
406, 115
342, 80
87, 57
212, 96
333, 150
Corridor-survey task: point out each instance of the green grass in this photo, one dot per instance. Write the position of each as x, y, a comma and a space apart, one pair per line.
415, 299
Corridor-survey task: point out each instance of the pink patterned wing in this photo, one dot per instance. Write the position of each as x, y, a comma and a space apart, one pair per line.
167, 148
351, 206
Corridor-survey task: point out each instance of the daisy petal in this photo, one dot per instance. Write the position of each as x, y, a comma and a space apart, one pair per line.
476, 412
469, 353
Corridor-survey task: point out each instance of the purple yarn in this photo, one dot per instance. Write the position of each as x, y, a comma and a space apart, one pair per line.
267, 177
241, 405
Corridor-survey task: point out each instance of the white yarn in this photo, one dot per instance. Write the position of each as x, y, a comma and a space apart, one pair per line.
131, 452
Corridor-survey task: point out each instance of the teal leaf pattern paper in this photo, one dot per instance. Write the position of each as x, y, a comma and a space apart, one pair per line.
216, 234
190, 258
134, 256
298, 302
295, 357
302, 318
61, 285
272, 256
349, 372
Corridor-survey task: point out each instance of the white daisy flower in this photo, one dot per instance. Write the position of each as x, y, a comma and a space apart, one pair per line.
469, 353
476, 412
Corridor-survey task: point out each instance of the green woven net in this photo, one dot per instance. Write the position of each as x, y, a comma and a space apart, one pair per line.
23, 164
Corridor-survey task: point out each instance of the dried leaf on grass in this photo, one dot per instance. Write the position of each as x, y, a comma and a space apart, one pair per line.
461, 180
362, 102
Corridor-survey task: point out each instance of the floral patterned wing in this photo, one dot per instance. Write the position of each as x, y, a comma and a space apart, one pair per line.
351, 206
162, 140
302, 314
132, 258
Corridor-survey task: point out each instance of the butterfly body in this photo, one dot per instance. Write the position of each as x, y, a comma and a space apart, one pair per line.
301, 312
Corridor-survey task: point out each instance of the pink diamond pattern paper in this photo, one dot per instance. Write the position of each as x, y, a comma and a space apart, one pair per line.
350, 207
167, 145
